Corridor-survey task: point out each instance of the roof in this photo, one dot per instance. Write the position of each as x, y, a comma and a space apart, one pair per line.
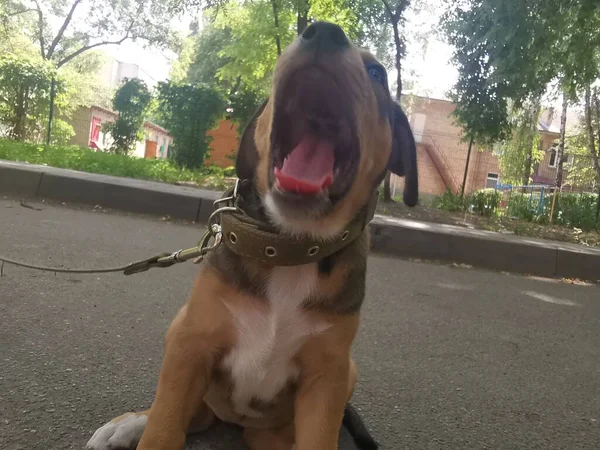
549, 128
552, 128
425, 97
147, 123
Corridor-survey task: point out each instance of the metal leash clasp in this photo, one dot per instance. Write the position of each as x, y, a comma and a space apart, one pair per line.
214, 227
205, 245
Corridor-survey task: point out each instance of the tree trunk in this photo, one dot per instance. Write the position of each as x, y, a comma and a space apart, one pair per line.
398, 59
595, 153
302, 17
534, 118
464, 183
561, 142
276, 21
18, 129
387, 188
598, 203
590, 131
596, 115
51, 110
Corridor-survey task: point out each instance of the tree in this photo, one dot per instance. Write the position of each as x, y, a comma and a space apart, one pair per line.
132, 100
519, 152
592, 129
60, 38
24, 94
561, 141
189, 112
512, 51
201, 61
237, 49
395, 18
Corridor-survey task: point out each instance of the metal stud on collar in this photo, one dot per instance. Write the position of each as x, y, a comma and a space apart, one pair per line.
313, 250
345, 235
270, 251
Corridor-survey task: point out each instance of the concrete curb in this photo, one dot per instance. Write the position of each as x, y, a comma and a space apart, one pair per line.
124, 194
391, 236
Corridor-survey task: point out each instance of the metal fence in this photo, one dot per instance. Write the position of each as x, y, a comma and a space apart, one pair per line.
548, 204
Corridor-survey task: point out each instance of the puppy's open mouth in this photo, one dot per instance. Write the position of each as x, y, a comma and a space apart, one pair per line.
314, 149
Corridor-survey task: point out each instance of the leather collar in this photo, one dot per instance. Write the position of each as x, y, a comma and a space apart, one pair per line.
261, 241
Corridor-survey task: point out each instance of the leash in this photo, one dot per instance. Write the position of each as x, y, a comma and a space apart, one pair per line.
245, 236
162, 260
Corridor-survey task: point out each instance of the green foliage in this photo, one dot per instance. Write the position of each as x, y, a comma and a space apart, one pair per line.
25, 95
60, 38
485, 202
87, 160
77, 81
571, 210
243, 103
201, 62
449, 201
132, 100
522, 206
251, 52
512, 50
189, 112
84, 86
522, 150
580, 170
577, 211
239, 44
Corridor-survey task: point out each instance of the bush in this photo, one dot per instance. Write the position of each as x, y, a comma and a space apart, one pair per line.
189, 112
485, 202
577, 211
132, 100
519, 207
87, 160
449, 201
571, 210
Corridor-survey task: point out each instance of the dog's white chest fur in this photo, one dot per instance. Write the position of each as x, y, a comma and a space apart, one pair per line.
261, 362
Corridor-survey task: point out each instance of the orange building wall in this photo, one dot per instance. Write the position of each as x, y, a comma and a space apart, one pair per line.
439, 134
444, 139
223, 145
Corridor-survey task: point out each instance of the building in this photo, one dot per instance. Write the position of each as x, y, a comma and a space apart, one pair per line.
441, 151
87, 123
113, 72
544, 172
223, 145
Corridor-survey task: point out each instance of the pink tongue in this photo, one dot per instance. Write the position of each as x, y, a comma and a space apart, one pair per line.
308, 168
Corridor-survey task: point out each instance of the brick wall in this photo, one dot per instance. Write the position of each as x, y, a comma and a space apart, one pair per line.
84, 117
439, 149
81, 123
224, 144
543, 173
441, 153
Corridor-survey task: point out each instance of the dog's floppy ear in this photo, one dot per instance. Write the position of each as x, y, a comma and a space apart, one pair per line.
403, 159
247, 156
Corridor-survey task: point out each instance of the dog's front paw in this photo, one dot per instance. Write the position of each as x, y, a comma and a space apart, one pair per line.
121, 433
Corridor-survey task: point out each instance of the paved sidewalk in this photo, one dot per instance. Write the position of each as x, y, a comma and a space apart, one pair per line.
392, 236
448, 359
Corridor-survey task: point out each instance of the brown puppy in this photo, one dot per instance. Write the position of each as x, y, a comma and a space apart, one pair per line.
267, 345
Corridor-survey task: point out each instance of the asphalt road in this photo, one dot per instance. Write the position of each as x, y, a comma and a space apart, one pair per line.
449, 358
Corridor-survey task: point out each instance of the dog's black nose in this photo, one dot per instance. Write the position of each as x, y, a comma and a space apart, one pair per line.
324, 36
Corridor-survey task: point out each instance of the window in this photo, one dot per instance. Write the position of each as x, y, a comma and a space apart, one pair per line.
552, 161
418, 126
492, 180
